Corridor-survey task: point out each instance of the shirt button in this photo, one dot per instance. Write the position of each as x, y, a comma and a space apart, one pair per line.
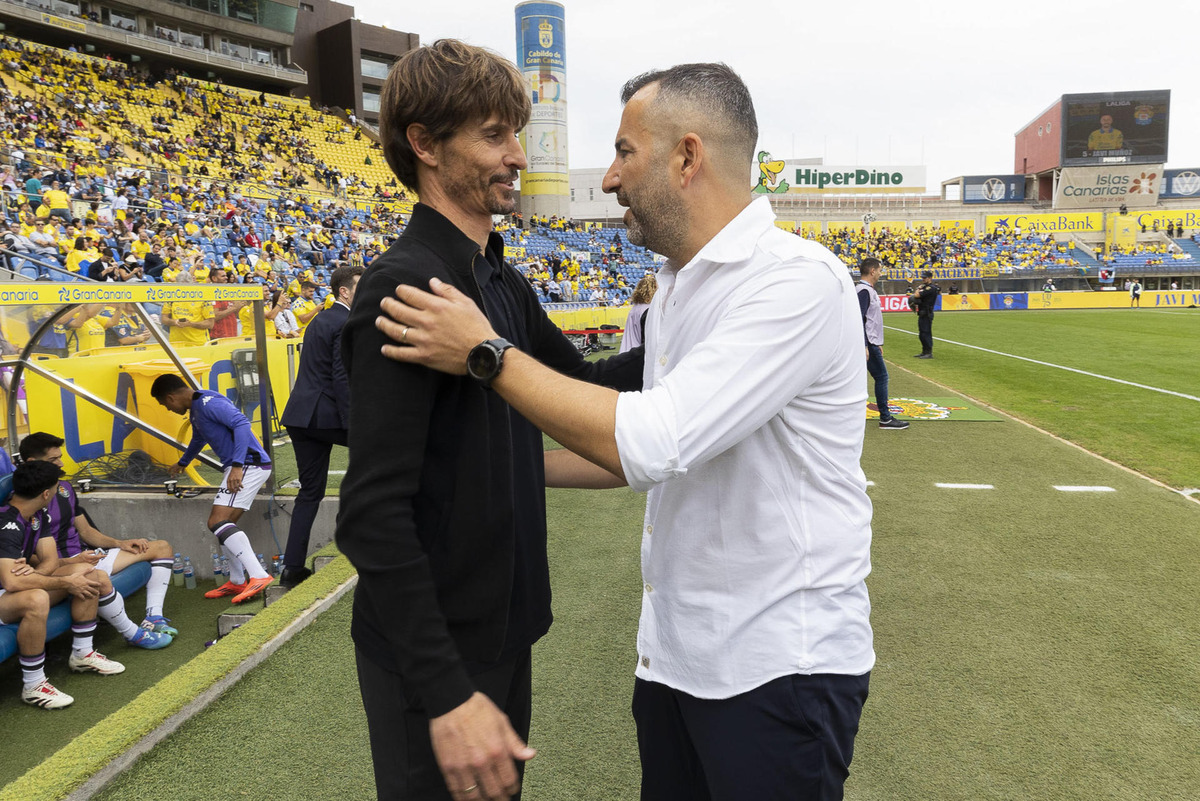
650, 529
662, 360
645, 661
649, 588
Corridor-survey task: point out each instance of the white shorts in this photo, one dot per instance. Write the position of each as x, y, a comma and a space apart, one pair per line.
253, 477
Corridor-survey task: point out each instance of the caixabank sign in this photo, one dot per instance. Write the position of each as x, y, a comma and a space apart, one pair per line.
1137, 187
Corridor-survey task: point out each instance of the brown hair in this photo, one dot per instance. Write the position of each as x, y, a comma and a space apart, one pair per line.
444, 86
645, 289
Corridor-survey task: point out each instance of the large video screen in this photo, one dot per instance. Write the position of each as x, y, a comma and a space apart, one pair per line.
1115, 128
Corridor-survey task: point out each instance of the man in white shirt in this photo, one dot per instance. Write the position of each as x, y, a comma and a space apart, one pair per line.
754, 645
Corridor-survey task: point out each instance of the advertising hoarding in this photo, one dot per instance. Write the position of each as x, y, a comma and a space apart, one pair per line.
1108, 187
993, 188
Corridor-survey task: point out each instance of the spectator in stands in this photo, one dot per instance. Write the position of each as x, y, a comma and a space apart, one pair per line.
27, 592
58, 201
225, 312
306, 307
130, 270
286, 324
72, 529
188, 322
635, 323
128, 328
872, 317
218, 423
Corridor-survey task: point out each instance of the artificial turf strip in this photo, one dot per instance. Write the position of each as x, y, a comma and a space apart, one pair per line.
291, 728
1147, 431
76, 762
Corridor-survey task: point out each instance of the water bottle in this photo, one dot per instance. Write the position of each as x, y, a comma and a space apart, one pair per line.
217, 577
189, 573
262, 562
276, 565
224, 568
177, 571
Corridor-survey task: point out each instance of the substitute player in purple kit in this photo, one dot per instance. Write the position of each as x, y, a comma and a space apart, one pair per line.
74, 535
218, 423
27, 592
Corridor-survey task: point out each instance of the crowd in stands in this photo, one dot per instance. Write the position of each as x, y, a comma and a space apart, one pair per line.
1144, 254
920, 249
573, 262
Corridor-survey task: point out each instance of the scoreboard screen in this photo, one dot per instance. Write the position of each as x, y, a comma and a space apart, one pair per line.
1115, 128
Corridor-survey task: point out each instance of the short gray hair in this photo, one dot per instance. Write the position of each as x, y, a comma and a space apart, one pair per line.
715, 89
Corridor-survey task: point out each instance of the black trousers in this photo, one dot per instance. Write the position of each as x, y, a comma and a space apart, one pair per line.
791, 739
925, 332
312, 447
405, 767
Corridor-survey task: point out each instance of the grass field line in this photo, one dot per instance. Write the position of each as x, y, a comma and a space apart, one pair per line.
197, 705
1191, 495
1056, 366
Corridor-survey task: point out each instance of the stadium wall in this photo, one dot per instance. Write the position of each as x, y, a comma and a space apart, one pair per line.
180, 521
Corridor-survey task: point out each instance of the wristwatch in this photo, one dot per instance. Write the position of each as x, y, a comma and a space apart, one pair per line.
485, 360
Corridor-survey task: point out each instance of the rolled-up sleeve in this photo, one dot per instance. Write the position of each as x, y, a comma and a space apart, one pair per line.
648, 437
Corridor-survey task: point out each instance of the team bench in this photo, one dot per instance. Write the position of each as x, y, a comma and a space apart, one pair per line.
126, 582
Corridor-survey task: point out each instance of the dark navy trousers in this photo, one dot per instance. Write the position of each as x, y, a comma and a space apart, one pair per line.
791, 739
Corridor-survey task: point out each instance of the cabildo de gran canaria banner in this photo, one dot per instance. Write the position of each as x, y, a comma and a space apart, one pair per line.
53, 294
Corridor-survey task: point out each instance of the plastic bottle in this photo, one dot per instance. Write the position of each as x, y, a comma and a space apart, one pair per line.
177, 571
262, 561
189, 573
224, 568
217, 577
275, 565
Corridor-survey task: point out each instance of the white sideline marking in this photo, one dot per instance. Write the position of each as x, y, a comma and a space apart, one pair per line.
964, 486
1057, 366
337, 472
872, 483
1187, 493
1083, 489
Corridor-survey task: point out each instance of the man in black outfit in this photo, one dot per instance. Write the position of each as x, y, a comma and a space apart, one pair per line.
317, 416
443, 506
922, 300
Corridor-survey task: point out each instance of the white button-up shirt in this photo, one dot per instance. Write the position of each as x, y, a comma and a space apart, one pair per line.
747, 435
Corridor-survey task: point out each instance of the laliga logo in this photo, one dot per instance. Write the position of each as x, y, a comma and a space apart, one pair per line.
1143, 185
993, 190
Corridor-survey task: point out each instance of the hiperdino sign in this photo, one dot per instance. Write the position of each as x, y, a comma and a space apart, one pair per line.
772, 176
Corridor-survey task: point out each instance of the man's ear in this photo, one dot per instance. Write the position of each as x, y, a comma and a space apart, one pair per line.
422, 144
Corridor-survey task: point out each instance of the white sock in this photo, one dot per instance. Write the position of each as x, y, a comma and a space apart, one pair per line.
112, 610
236, 574
156, 588
239, 545
81, 642
33, 670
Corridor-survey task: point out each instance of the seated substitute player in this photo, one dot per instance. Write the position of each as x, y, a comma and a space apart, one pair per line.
73, 531
26, 594
217, 422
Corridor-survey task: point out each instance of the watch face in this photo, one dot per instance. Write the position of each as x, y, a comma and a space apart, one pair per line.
482, 361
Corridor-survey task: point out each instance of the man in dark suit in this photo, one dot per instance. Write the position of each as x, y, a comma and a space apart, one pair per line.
317, 416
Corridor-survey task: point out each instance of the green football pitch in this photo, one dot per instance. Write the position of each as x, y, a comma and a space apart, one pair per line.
1033, 642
